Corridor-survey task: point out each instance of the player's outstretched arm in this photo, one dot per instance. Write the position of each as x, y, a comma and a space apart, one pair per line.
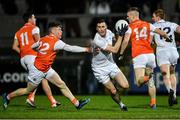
77, 49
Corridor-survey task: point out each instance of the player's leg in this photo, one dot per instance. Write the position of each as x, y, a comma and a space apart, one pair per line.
114, 94
173, 81
140, 76
48, 93
165, 70
55, 79
140, 62
19, 92
121, 80
30, 99
151, 88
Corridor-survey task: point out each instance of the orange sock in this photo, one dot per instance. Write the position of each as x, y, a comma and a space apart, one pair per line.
51, 99
153, 101
31, 96
75, 102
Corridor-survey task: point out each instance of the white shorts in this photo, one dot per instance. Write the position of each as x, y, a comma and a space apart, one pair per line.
168, 56
27, 60
144, 60
103, 74
35, 76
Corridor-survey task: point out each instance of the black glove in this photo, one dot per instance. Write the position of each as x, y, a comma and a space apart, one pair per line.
123, 30
121, 56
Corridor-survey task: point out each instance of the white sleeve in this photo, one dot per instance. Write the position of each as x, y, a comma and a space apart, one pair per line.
35, 31
152, 27
174, 26
59, 45
15, 37
74, 48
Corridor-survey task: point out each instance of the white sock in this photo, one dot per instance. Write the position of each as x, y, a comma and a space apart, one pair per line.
168, 88
174, 93
8, 97
121, 104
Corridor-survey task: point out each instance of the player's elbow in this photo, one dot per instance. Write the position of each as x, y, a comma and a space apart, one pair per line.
14, 48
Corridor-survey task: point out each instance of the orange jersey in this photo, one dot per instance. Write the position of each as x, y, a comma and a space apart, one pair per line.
25, 39
46, 54
140, 38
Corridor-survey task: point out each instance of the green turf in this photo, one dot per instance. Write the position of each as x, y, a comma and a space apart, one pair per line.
99, 107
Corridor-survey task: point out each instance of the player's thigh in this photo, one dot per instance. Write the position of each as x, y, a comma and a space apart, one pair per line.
31, 87
53, 77
121, 79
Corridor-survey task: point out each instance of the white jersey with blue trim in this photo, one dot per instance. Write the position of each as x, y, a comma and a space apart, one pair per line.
169, 28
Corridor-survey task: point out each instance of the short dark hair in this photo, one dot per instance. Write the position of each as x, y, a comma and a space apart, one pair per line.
160, 13
54, 24
26, 16
100, 20
133, 9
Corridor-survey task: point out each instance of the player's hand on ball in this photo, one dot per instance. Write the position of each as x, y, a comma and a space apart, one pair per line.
123, 30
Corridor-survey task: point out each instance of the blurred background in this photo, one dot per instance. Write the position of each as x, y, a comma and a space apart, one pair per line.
78, 20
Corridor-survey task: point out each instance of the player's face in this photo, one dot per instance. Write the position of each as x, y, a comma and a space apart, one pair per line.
154, 18
33, 19
129, 17
58, 32
101, 28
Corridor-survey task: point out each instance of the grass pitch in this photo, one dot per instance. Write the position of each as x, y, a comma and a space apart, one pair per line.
100, 107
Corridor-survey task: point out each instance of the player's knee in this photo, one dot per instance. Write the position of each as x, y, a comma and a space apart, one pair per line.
164, 73
138, 83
